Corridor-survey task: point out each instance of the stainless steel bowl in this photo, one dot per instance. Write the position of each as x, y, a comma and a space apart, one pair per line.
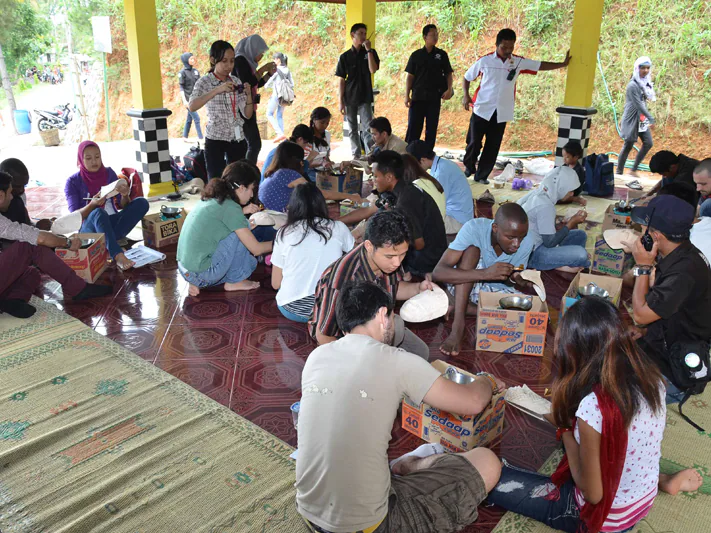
457, 377
592, 289
169, 211
522, 303
85, 243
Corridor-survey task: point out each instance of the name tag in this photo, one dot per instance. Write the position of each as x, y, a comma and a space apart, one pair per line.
238, 132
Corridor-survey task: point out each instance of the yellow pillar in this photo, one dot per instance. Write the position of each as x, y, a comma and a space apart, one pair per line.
360, 11
143, 53
150, 118
587, 21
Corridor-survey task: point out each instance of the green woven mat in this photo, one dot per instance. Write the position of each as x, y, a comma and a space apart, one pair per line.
94, 439
682, 447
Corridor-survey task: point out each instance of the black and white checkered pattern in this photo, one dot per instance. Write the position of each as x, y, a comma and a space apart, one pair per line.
572, 127
153, 153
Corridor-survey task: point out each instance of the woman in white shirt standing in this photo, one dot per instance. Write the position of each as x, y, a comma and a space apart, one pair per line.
229, 103
303, 249
275, 109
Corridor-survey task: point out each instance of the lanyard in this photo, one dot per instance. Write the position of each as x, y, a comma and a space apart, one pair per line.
233, 99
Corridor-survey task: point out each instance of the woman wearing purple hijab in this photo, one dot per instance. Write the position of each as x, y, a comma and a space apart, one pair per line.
115, 217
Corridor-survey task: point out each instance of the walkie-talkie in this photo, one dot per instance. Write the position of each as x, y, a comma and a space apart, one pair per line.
647, 240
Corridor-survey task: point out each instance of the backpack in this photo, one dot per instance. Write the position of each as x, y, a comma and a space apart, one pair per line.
194, 162
284, 90
690, 370
599, 175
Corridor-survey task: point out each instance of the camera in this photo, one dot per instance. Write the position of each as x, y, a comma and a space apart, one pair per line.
239, 89
257, 98
386, 200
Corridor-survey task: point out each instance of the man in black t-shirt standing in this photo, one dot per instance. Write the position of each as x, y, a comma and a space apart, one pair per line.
676, 307
355, 89
429, 81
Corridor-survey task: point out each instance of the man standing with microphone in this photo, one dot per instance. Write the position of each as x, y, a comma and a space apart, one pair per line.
493, 103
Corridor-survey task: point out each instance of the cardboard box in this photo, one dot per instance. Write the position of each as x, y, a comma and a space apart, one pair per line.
608, 261
510, 330
89, 263
158, 232
454, 432
612, 285
349, 182
613, 220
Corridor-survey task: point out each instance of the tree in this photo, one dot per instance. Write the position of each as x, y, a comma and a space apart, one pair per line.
7, 7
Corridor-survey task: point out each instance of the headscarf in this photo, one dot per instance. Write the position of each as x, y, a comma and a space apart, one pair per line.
185, 58
93, 180
646, 82
555, 185
250, 47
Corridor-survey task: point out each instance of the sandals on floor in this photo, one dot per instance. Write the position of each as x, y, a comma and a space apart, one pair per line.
634, 184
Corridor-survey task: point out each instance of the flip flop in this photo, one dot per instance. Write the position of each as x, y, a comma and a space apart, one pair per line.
634, 184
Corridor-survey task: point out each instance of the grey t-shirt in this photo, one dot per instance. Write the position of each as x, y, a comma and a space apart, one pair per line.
351, 389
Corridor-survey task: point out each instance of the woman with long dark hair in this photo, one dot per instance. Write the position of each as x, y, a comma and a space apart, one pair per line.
319, 121
229, 104
284, 173
415, 173
216, 245
608, 406
303, 249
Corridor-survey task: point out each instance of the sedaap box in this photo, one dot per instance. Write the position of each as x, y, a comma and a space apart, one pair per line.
510, 330
350, 181
90, 262
608, 261
617, 220
454, 432
158, 232
611, 285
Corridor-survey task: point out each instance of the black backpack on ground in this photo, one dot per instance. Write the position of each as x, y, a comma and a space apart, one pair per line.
599, 175
194, 162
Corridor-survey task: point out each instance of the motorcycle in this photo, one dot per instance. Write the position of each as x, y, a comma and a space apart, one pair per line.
58, 118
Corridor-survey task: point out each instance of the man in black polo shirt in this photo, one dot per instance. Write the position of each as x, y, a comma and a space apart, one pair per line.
429, 239
429, 81
672, 167
355, 89
676, 308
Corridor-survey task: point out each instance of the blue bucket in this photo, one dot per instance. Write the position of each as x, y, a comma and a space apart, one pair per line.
22, 121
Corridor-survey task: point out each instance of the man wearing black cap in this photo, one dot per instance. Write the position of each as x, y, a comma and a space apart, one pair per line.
676, 308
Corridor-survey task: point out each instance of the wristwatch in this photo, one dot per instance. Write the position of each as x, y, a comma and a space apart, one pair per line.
69, 243
642, 270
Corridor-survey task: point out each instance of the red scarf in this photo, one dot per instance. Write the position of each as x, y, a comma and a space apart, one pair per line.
613, 451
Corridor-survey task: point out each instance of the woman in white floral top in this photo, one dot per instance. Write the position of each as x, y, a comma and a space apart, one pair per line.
229, 103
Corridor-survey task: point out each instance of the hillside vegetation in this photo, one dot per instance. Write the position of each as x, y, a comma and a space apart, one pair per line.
675, 34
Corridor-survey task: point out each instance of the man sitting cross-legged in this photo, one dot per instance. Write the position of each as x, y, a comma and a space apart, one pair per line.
26, 247
378, 259
351, 391
483, 257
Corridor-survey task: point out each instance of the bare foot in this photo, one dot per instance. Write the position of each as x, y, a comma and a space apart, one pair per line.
570, 270
452, 344
471, 311
123, 262
245, 285
688, 480
193, 290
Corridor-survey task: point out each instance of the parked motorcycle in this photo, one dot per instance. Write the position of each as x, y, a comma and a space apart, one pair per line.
58, 118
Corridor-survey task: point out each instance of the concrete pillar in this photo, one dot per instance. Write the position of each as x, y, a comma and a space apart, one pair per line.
150, 124
575, 116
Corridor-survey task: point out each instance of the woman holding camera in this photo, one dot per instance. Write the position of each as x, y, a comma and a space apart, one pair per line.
229, 105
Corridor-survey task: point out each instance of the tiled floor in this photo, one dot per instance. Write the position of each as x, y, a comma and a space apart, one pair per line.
240, 351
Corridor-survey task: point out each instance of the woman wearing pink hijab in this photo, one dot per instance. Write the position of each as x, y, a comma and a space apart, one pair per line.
114, 218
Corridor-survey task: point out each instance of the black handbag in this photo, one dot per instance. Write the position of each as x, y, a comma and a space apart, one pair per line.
690, 370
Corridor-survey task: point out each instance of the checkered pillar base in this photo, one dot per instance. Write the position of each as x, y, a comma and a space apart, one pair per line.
574, 124
150, 131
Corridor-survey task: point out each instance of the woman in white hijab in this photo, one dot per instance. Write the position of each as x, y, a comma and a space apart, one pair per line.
636, 119
563, 249
248, 53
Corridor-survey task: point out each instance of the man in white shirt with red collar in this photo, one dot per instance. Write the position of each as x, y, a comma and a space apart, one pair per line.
493, 103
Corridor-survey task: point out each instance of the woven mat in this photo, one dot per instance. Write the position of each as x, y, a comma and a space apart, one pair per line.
94, 439
682, 447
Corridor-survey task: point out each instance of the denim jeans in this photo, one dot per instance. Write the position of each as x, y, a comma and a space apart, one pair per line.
275, 114
705, 209
117, 226
570, 252
192, 117
264, 233
359, 132
524, 492
674, 394
292, 316
231, 263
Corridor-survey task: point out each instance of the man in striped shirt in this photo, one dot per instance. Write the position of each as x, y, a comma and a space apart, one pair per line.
378, 259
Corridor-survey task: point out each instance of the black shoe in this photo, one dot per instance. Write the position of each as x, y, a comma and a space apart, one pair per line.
93, 291
17, 308
467, 172
483, 181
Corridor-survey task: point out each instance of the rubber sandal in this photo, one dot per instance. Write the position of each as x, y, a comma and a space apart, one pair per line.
634, 184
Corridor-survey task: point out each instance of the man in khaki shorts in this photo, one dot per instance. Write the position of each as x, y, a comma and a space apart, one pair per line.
351, 390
